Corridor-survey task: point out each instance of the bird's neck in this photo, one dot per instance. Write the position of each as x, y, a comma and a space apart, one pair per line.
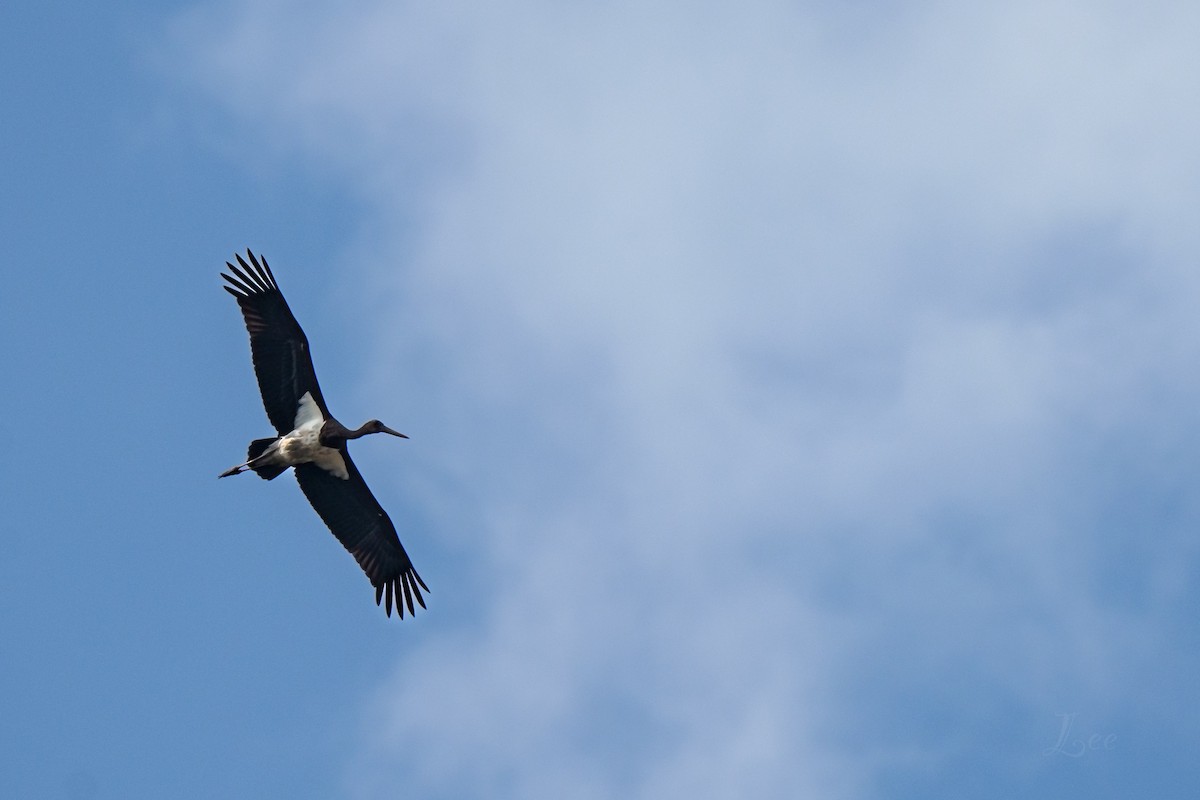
358, 433
335, 434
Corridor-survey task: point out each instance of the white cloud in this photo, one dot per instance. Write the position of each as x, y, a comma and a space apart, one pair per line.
775, 344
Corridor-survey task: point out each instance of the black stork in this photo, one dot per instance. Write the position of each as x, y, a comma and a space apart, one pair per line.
312, 442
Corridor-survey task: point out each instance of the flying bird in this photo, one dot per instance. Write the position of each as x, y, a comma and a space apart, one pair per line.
312, 442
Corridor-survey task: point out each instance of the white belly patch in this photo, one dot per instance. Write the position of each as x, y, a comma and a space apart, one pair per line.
303, 445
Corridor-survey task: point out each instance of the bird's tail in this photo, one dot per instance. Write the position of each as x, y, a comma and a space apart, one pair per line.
267, 471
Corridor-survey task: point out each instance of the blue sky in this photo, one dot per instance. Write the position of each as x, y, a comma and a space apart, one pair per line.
803, 399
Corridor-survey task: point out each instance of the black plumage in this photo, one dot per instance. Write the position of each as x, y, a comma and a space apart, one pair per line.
285, 374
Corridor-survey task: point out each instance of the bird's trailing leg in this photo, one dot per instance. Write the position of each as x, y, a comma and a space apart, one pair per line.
261, 459
239, 469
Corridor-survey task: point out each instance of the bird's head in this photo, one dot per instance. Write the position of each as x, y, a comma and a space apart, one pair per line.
375, 426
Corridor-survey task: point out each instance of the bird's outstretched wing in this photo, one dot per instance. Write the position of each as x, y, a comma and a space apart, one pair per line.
364, 528
278, 345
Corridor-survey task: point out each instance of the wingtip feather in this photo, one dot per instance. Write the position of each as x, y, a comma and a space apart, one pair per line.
423, 586
407, 598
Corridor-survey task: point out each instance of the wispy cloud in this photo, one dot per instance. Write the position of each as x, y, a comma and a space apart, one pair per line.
791, 362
